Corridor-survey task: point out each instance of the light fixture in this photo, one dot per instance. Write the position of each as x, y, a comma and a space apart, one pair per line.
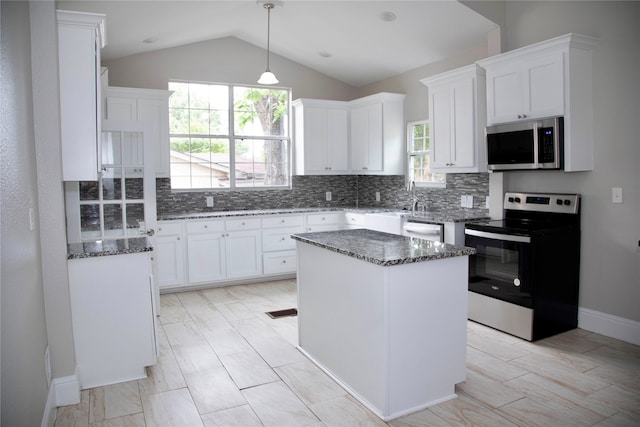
268, 78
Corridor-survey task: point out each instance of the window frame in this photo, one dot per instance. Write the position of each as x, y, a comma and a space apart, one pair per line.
232, 137
411, 153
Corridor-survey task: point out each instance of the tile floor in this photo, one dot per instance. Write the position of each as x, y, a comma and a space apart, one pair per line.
223, 362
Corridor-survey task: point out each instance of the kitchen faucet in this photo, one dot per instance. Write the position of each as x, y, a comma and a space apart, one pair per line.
414, 198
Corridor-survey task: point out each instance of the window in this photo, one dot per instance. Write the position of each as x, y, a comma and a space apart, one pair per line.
226, 136
418, 146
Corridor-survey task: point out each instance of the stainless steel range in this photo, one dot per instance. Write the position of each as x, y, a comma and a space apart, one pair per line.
524, 278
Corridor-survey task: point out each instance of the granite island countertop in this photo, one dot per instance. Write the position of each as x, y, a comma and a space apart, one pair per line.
98, 248
382, 248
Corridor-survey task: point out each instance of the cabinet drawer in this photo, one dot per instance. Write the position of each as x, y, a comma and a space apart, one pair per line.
243, 224
169, 228
280, 262
354, 218
282, 221
279, 239
205, 226
324, 218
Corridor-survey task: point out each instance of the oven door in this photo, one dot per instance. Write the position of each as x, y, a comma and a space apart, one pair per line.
501, 267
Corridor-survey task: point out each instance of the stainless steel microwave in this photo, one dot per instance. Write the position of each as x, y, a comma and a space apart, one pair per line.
531, 144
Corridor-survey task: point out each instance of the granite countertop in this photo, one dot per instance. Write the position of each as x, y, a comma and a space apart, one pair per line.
252, 212
108, 247
382, 248
437, 217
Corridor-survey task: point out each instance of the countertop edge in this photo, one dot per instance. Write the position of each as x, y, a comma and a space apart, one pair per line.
450, 251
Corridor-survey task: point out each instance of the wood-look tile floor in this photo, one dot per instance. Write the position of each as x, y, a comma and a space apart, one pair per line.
224, 362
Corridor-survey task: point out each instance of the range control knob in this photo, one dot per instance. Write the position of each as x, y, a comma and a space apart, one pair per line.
559, 202
510, 199
517, 199
567, 202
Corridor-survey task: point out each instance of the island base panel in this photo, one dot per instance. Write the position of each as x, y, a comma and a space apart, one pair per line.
394, 337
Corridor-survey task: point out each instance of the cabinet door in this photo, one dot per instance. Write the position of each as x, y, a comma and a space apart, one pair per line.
505, 94
205, 254
463, 125
315, 140
337, 140
526, 89
243, 254
79, 77
544, 90
440, 127
170, 255
366, 138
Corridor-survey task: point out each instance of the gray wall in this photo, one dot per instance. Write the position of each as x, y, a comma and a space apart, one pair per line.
610, 270
24, 334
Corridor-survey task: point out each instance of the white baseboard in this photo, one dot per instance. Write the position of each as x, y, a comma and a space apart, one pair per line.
609, 325
62, 392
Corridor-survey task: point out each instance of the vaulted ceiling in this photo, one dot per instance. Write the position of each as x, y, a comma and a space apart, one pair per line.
357, 42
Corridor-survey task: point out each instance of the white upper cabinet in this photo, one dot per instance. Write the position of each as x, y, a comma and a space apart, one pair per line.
152, 105
527, 89
364, 136
321, 137
80, 38
377, 138
457, 120
550, 78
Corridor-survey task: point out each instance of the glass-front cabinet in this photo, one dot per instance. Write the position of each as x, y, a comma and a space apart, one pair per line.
112, 207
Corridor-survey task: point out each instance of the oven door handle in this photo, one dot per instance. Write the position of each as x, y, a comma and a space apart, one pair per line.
498, 236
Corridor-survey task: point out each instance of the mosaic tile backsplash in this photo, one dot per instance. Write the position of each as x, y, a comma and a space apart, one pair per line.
347, 191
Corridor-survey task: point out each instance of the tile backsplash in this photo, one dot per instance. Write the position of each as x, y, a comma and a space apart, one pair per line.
347, 191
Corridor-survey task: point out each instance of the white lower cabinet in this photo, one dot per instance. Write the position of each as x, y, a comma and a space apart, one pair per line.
195, 252
170, 251
324, 221
112, 307
205, 257
278, 248
219, 249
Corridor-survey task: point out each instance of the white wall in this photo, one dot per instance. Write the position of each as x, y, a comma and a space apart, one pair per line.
24, 335
227, 60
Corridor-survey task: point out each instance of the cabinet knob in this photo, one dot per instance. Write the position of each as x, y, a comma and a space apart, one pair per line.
206, 226
284, 261
283, 239
177, 238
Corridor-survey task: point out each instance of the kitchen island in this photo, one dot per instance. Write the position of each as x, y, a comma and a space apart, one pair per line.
384, 315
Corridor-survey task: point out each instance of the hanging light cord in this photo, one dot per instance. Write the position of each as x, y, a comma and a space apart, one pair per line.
268, 6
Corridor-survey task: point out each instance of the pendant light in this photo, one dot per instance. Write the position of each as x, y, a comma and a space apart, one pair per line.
268, 78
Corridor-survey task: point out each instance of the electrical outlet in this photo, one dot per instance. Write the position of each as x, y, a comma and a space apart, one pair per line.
209, 201
616, 195
47, 365
486, 203
32, 220
328, 196
377, 196
466, 201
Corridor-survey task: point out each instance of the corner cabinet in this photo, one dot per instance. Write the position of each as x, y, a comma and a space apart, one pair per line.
376, 134
457, 120
80, 38
152, 105
321, 137
551, 78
